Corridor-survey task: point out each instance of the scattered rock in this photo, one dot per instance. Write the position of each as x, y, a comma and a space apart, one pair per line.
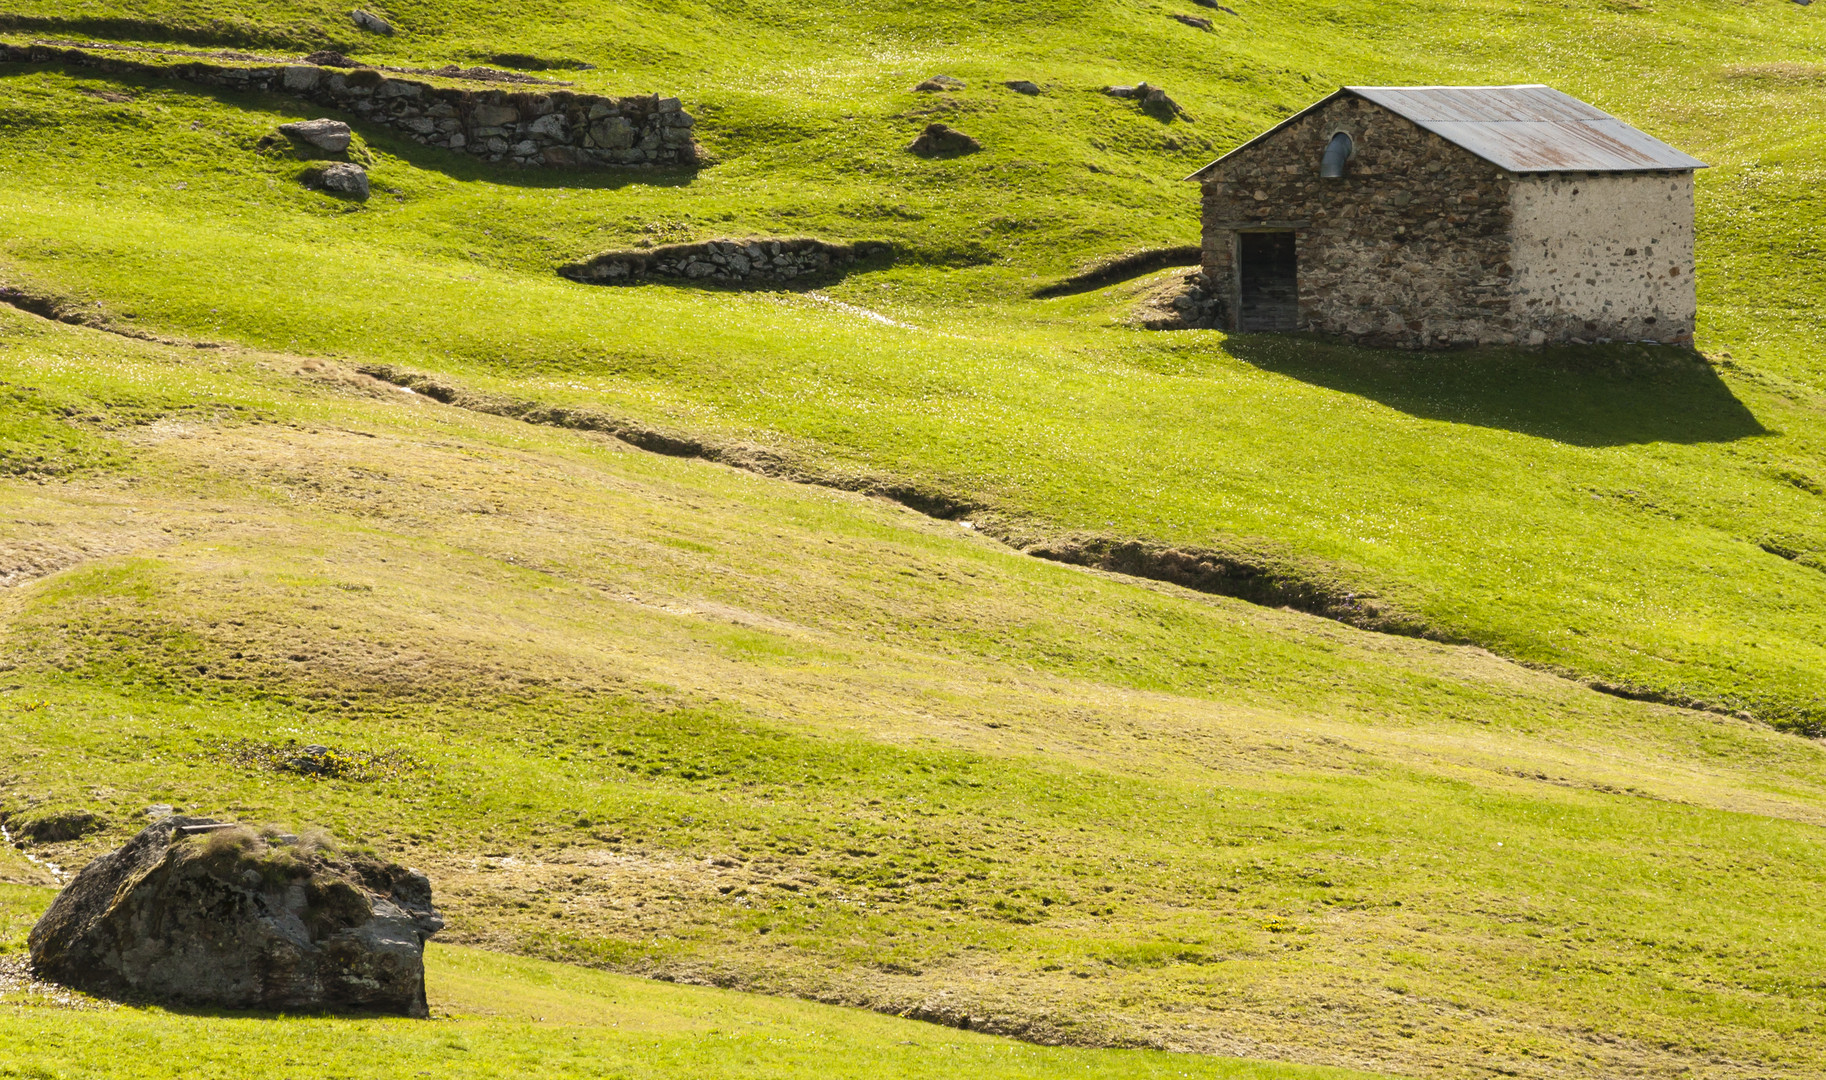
160, 810
371, 22
203, 912
1022, 86
1193, 21
1152, 98
942, 139
338, 178
1157, 101
330, 58
1215, 6
328, 135
1183, 302
939, 83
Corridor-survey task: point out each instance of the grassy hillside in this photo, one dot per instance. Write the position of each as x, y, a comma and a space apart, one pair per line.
676, 719
1629, 517
672, 718
500, 1016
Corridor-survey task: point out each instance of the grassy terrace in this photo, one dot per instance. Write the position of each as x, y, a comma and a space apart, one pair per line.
668, 718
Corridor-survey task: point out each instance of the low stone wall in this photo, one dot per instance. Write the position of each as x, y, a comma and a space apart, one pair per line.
525, 127
732, 262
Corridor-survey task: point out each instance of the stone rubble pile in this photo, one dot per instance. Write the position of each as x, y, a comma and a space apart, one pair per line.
751, 261
524, 127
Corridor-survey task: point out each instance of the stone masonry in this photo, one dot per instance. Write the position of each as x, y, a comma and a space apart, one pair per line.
1423, 244
532, 127
751, 262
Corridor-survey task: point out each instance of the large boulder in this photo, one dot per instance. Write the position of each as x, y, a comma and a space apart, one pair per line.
202, 912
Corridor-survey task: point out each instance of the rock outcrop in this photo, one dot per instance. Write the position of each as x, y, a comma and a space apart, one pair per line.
200, 912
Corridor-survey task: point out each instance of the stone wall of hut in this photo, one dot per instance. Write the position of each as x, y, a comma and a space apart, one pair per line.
1604, 257
1410, 248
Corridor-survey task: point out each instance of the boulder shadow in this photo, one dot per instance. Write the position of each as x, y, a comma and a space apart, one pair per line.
1592, 395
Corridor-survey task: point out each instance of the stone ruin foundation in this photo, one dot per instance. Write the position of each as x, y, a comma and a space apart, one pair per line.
751, 262
534, 128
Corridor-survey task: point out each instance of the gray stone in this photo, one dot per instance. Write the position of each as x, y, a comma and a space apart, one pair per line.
328, 135
612, 133
370, 22
550, 126
344, 178
302, 76
1194, 21
939, 83
205, 913
1022, 86
494, 115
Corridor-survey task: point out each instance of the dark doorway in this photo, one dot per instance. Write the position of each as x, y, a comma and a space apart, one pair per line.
1270, 278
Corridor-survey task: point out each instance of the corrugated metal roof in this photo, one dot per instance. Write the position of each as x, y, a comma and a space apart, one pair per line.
1524, 129
1528, 129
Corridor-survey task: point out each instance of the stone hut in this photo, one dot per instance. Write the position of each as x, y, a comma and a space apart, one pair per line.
1428, 217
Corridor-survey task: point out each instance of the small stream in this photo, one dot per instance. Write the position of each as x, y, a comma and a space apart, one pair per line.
56, 871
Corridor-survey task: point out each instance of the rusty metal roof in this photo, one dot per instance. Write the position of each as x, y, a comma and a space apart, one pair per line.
1524, 129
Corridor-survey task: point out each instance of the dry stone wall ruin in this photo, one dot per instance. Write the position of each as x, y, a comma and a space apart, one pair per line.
528, 127
751, 262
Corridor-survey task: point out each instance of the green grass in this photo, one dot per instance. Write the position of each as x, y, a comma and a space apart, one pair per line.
1621, 515
668, 718
500, 1016
674, 719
